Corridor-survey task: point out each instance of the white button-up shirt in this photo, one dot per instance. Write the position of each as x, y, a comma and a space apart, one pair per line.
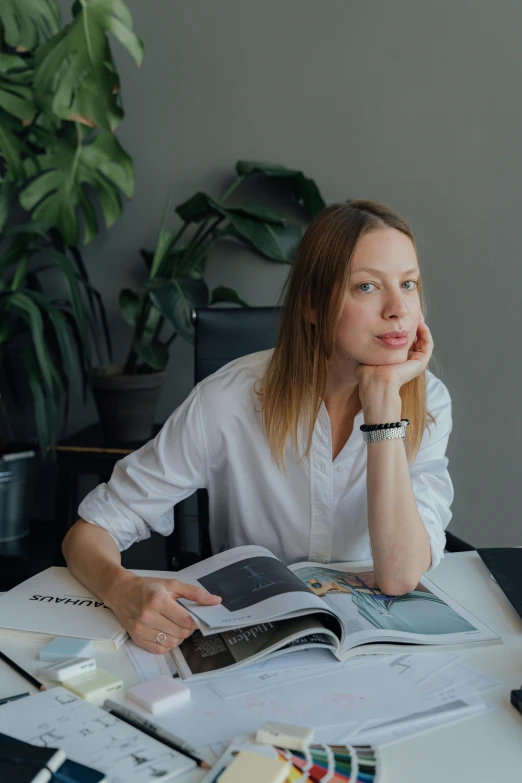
317, 510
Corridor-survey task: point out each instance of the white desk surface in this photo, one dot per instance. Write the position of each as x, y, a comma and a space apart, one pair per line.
484, 749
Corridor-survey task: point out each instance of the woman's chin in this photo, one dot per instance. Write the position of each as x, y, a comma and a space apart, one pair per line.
398, 357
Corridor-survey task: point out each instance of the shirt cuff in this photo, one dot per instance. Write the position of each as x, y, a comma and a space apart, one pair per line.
104, 508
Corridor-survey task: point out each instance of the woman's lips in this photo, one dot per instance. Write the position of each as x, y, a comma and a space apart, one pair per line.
394, 342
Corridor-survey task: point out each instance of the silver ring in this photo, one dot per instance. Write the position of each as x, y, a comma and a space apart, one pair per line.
161, 637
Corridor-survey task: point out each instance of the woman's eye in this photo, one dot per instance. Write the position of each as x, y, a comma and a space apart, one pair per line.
361, 285
413, 283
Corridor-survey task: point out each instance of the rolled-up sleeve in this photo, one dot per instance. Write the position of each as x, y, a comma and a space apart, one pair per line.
430, 479
147, 484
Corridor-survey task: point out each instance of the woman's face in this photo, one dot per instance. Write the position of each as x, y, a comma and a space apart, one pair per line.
381, 297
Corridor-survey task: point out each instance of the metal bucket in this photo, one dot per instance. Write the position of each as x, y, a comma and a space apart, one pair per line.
14, 509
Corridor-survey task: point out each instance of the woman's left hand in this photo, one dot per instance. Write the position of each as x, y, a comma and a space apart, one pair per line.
395, 375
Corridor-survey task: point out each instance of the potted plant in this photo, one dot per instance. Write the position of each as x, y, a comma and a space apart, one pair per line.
126, 394
59, 107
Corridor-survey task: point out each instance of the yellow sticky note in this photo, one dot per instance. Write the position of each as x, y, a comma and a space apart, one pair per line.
254, 768
94, 687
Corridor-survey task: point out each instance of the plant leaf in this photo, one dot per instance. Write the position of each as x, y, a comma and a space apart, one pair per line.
31, 314
277, 243
304, 189
198, 208
54, 194
12, 148
258, 211
175, 299
16, 95
27, 23
155, 355
130, 305
223, 294
6, 194
75, 68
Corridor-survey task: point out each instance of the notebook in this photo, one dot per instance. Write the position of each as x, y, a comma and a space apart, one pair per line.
24, 763
76, 772
505, 563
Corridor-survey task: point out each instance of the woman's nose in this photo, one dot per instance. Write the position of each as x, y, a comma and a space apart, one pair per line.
396, 306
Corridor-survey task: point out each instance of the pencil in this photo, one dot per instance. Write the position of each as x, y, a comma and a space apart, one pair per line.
22, 672
147, 727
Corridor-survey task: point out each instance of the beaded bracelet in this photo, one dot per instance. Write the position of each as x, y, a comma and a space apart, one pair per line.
372, 427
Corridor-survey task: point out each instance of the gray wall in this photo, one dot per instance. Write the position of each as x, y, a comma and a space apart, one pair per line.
415, 104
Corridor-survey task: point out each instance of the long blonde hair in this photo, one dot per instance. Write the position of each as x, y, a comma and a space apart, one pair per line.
295, 379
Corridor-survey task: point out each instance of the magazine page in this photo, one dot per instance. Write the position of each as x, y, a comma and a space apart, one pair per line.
205, 656
426, 615
255, 587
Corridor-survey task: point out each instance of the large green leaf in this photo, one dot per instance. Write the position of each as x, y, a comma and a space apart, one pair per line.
16, 95
198, 208
277, 243
27, 23
54, 194
304, 189
75, 68
263, 229
175, 299
12, 147
260, 212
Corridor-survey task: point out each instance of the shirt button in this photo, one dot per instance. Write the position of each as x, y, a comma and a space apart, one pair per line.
339, 470
323, 465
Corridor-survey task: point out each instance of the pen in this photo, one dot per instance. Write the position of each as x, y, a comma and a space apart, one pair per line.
13, 698
147, 727
21, 671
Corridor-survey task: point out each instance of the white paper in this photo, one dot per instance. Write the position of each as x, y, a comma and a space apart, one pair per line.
146, 665
268, 673
345, 698
91, 736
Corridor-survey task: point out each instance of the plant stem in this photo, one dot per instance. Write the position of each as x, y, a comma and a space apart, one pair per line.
231, 189
192, 247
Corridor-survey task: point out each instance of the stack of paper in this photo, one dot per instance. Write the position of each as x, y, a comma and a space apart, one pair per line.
366, 700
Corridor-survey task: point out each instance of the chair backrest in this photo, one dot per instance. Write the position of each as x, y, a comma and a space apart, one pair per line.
221, 335
226, 333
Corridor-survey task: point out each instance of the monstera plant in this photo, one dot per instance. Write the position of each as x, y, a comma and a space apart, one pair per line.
175, 284
60, 104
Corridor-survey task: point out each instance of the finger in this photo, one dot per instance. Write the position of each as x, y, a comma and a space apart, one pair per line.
194, 593
162, 621
166, 644
177, 614
146, 644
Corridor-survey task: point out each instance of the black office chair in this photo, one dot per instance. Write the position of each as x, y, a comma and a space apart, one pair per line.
222, 334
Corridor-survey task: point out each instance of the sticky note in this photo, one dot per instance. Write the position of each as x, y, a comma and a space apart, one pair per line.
254, 768
285, 735
63, 647
64, 670
94, 686
161, 694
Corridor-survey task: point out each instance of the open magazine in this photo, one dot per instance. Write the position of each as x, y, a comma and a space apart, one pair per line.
269, 608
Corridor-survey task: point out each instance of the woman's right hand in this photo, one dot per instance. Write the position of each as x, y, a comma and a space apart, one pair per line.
147, 606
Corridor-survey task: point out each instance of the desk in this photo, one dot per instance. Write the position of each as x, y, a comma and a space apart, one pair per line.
481, 749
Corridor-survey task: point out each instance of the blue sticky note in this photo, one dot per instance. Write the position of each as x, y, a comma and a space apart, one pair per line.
63, 647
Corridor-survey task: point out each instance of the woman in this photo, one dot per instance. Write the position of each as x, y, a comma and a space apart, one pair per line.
275, 436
